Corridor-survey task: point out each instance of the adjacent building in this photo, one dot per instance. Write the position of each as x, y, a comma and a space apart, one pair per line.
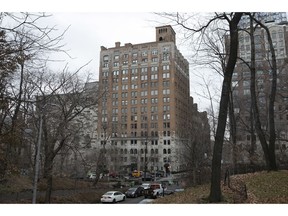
241, 88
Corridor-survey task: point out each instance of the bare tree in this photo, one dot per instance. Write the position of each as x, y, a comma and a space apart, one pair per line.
269, 150
30, 43
61, 102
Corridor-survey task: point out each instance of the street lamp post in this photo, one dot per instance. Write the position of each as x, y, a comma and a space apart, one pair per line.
37, 162
145, 160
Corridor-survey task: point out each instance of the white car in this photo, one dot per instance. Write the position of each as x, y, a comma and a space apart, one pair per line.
113, 197
145, 185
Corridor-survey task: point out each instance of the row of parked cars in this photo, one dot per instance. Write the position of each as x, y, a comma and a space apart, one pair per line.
149, 190
117, 196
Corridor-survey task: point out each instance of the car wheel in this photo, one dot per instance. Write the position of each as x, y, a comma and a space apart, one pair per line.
124, 198
114, 201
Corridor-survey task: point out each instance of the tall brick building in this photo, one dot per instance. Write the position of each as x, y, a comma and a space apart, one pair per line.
143, 114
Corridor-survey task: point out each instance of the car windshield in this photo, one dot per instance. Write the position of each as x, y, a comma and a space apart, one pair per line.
132, 189
108, 193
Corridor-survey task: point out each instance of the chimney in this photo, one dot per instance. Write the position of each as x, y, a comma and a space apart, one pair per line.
117, 44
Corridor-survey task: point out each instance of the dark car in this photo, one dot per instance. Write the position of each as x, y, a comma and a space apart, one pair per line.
148, 177
134, 192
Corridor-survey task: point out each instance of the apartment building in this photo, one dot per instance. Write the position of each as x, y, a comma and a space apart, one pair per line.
143, 114
241, 90
265, 17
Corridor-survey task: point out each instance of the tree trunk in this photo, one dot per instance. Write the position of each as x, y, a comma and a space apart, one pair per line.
215, 190
48, 176
232, 129
254, 102
269, 150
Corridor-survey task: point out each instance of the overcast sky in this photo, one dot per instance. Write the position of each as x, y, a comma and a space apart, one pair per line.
89, 31
94, 24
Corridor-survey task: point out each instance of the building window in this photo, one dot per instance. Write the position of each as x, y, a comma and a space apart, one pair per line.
166, 124
166, 83
166, 133
154, 117
134, 94
154, 108
134, 55
144, 77
154, 52
166, 75
124, 94
144, 93
133, 109
134, 101
166, 99
134, 78
165, 57
154, 76
125, 72
105, 58
144, 101
144, 53
166, 116
154, 59
115, 73
166, 108
124, 102
153, 84
154, 69
123, 110
166, 91
144, 70
154, 92
144, 85
134, 71
124, 87
165, 67
134, 86
154, 100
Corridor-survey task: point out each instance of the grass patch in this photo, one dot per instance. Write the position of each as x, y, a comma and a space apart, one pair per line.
262, 187
269, 187
14, 184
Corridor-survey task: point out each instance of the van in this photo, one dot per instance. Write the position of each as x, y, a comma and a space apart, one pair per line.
137, 173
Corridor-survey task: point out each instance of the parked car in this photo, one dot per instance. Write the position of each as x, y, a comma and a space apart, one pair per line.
145, 185
113, 197
134, 192
154, 190
148, 177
